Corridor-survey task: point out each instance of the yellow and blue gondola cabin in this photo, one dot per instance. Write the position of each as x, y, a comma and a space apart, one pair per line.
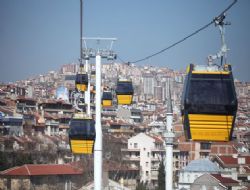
81, 82
124, 92
82, 134
209, 103
106, 99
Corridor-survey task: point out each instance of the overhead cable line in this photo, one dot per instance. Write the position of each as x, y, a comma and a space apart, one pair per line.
183, 39
174, 44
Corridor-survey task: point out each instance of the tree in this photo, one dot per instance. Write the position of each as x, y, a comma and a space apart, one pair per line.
3, 161
20, 159
161, 176
141, 186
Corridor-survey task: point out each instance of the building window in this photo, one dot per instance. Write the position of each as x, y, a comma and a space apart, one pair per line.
135, 145
146, 164
205, 146
148, 154
177, 164
146, 173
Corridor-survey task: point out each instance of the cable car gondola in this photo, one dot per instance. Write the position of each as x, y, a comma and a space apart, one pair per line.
106, 98
82, 134
209, 103
124, 92
81, 82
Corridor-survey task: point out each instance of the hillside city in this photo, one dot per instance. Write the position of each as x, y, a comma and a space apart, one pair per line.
34, 144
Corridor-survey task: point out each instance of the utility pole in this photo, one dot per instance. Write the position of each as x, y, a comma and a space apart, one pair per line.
98, 128
169, 139
86, 53
98, 54
87, 93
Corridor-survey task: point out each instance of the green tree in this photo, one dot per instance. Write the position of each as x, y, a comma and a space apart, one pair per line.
3, 161
141, 186
161, 176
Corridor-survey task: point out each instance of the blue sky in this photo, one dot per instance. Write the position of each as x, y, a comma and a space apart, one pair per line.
37, 36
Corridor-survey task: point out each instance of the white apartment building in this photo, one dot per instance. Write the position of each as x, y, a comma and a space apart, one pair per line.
145, 152
148, 84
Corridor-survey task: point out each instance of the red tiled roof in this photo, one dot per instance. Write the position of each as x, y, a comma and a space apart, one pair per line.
25, 98
229, 160
224, 180
157, 139
42, 169
53, 101
50, 116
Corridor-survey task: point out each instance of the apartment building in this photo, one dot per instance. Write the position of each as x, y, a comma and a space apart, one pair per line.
145, 152
57, 115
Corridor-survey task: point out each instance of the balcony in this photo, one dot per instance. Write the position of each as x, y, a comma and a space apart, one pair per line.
130, 150
156, 159
154, 168
158, 150
51, 123
131, 158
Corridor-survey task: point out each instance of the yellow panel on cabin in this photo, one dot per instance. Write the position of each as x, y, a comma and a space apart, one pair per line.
124, 99
81, 87
210, 134
207, 117
212, 72
213, 123
82, 146
106, 103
